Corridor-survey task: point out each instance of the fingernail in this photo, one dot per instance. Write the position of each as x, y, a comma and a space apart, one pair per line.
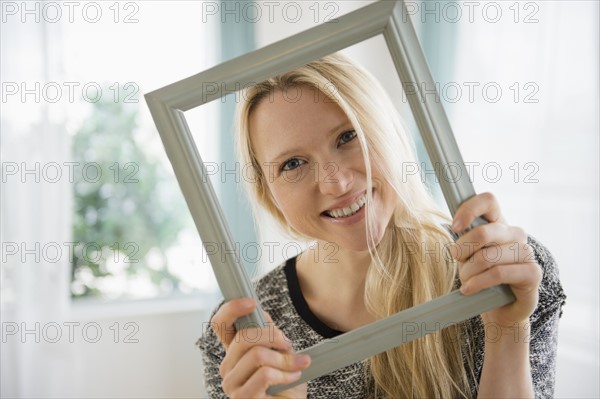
295, 375
288, 345
301, 360
456, 226
247, 303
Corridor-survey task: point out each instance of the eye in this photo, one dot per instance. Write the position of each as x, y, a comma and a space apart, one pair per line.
348, 136
291, 164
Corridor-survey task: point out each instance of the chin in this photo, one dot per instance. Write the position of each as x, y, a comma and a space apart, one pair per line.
361, 245
356, 247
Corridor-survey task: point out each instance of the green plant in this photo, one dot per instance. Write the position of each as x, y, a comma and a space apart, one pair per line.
128, 210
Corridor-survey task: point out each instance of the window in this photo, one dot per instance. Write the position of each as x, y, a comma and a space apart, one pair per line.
133, 236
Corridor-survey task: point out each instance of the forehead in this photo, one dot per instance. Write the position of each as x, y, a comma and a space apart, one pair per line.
297, 117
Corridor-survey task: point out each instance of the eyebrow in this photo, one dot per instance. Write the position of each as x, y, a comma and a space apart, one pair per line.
286, 153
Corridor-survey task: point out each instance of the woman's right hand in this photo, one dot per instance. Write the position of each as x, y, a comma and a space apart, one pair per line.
255, 358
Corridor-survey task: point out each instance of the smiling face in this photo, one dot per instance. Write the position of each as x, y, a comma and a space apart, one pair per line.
314, 168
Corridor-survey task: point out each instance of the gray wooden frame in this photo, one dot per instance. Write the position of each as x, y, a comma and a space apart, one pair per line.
391, 19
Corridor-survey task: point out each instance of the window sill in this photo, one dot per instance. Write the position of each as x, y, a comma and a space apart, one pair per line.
85, 309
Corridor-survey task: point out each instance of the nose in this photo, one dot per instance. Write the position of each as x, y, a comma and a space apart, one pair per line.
336, 179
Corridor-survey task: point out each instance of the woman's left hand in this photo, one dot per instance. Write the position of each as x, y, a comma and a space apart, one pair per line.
496, 253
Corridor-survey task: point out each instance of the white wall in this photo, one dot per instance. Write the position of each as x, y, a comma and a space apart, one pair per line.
102, 351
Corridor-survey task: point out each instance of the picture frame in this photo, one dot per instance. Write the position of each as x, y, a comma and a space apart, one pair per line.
392, 20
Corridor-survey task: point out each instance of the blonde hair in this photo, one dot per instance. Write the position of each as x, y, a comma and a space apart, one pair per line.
404, 270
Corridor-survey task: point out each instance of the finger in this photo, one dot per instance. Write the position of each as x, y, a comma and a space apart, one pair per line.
271, 324
484, 204
268, 317
259, 356
484, 236
522, 278
269, 337
265, 377
495, 255
224, 319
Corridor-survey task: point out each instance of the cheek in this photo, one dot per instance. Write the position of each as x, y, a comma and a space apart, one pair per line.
388, 201
389, 197
291, 203
283, 199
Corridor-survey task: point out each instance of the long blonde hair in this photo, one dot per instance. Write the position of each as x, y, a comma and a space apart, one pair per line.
404, 271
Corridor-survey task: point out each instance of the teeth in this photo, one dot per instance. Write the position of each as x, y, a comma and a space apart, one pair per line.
349, 210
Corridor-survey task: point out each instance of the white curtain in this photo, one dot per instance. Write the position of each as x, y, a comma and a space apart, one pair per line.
36, 211
543, 133
37, 207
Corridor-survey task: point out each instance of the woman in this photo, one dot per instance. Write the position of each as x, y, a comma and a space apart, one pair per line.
326, 145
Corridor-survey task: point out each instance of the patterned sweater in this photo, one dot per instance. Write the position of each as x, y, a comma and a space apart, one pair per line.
280, 295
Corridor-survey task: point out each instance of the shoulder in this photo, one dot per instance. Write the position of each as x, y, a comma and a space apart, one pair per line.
270, 287
544, 325
551, 294
269, 290
213, 351
544, 322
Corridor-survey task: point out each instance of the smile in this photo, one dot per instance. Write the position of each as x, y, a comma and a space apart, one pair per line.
349, 210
